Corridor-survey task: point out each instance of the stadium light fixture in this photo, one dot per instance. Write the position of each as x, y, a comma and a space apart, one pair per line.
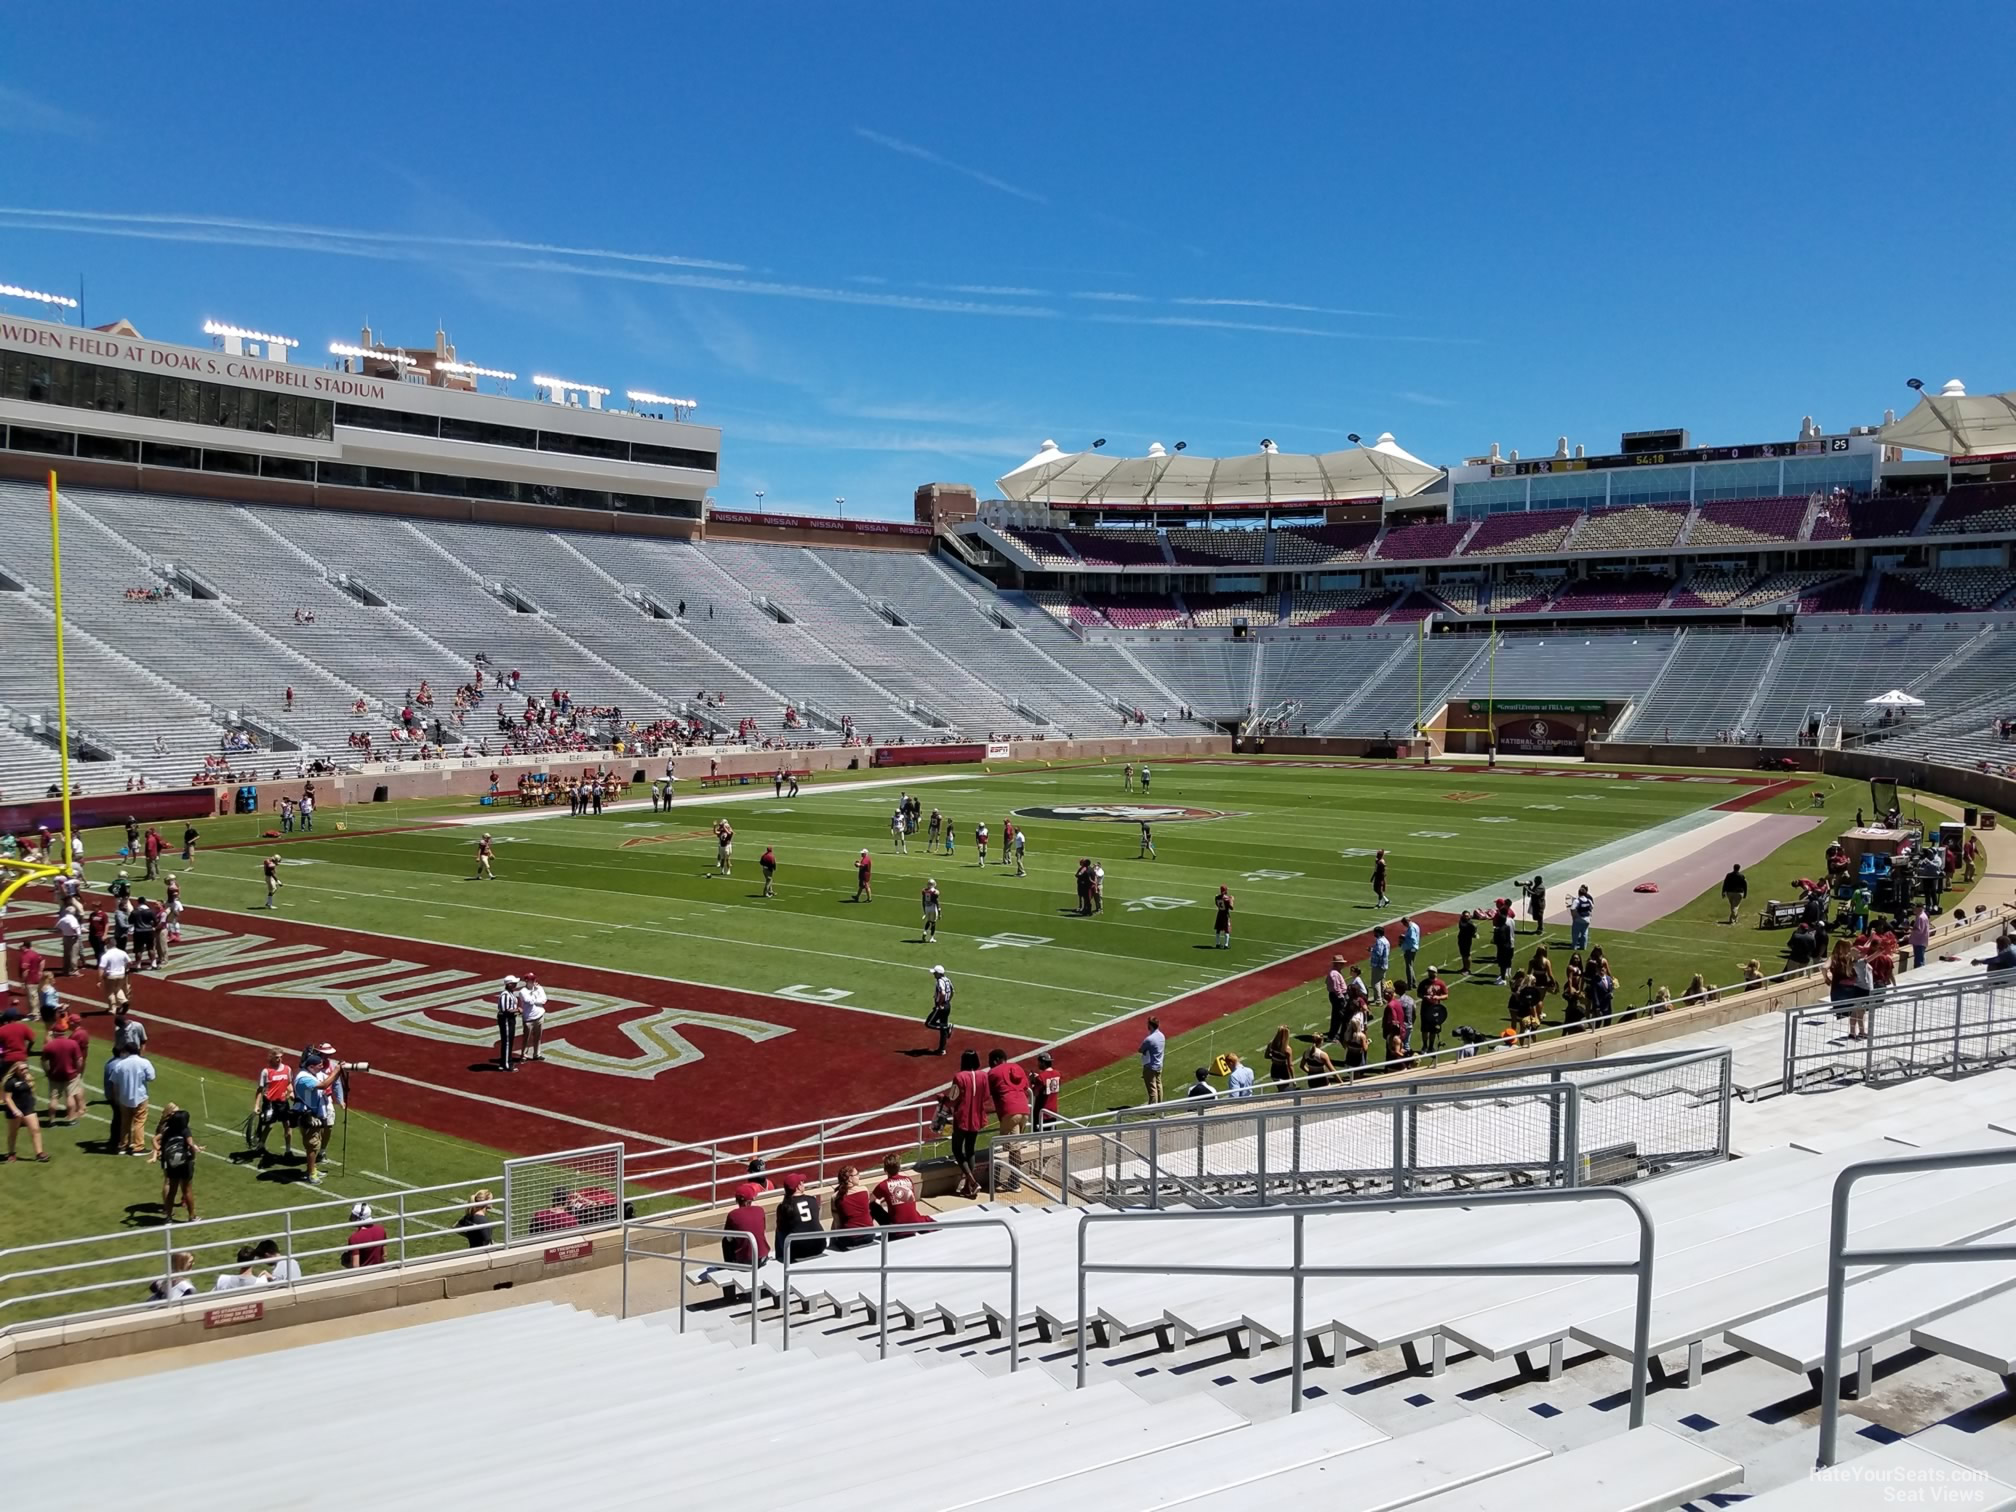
377, 354
1353, 438
562, 386
1099, 443
759, 501
219, 328
1915, 383
470, 370
841, 505
15, 291
1182, 446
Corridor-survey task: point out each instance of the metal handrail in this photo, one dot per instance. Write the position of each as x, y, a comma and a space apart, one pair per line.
1951, 1035
1840, 1257
1299, 1272
1564, 1090
882, 1268
687, 1233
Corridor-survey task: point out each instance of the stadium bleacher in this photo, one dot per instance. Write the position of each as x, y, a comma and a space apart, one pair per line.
1047, 547
1859, 518
1139, 611
1635, 527
1116, 548
1215, 548
1215, 611
1322, 545
1942, 590
1617, 593
1535, 532
1427, 542
1522, 595
1747, 522
1317, 608
1972, 508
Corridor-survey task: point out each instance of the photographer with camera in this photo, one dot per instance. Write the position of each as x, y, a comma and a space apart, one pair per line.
315, 1107
1535, 894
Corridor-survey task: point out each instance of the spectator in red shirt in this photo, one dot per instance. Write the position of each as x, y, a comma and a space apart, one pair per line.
366, 1244
34, 966
150, 847
895, 1198
17, 1038
864, 869
63, 1063
1009, 1085
1046, 1086
852, 1209
972, 1098
747, 1221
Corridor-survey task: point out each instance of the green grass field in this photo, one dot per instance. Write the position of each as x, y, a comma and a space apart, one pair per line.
635, 891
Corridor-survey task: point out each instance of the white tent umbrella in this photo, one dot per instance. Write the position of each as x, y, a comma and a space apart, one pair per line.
1175, 480
1896, 698
1954, 423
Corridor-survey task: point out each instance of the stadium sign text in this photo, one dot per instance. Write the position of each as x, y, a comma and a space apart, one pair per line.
1122, 813
1538, 706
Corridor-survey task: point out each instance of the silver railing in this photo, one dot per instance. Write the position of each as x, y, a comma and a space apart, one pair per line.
1588, 1124
883, 1270
1950, 1027
688, 1235
1840, 1257
1298, 1272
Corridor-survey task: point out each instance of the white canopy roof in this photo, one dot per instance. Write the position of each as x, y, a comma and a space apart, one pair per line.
1178, 480
1896, 698
1954, 422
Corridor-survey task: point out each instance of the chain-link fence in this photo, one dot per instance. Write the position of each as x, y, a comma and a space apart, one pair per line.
1951, 1027
556, 1194
1581, 1125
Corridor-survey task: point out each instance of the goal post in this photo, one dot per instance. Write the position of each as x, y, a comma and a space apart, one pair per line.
1433, 724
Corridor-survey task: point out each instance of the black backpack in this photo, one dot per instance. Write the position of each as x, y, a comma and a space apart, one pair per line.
175, 1153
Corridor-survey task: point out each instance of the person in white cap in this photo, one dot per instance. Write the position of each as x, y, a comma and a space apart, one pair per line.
366, 1244
508, 1009
940, 1017
931, 901
532, 1003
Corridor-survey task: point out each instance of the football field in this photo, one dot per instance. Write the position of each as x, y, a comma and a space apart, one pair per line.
687, 1007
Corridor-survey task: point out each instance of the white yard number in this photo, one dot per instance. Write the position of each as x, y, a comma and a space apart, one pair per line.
1270, 876
1356, 851
1584, 797
1136, 905
806, 994
1019, 941
1431, 835
1553, 808
1494, 819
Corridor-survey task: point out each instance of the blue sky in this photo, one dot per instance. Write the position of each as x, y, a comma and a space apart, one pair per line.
885, 245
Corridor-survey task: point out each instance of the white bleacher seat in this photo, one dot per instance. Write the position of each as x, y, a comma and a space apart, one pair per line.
1648, 1470
1201, 1467
1983, 1335
1396, 1473
1886, 1305
1897, 1475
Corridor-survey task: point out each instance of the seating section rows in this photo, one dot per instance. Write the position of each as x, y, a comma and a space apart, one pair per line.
1744, 522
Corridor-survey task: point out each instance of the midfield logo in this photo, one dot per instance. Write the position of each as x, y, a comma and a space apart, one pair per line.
1123, 813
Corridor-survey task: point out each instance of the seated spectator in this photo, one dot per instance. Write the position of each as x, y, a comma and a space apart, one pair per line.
247, 1274
476, 1224
799, 1236
744, 1240
366, 1244
894, 1201
853, 1209
176, 1285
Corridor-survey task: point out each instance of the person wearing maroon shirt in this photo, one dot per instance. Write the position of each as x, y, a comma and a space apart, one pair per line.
972, 1097
1008, 1083
34, 966
63, 1064
17, 1038
894, 1201
748, 1221
96, 923
1045, 1086
151, 848
366, 1244
864, 870
853, 1209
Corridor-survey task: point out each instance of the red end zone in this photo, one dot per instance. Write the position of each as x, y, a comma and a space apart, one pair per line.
630, 1057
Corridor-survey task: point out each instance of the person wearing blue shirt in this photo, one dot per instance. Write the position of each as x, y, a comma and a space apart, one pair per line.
1410, 946
1238, 1077
1382, 955
126, 1077
311, 1103
1153, 1048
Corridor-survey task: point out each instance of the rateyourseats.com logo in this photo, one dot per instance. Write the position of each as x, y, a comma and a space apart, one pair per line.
1123, 813
1916, 1485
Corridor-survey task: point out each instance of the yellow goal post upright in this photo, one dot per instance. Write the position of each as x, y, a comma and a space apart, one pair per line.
1436, 732
15, 873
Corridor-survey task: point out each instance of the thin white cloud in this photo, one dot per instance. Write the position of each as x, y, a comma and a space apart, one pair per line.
84, 218
21, 111
815, 292
999, 291
840, 438
1110, 296
926, 155
1275, 304
1200, 322
1433, 401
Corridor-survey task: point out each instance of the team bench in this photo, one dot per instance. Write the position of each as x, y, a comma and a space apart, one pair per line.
746, 779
